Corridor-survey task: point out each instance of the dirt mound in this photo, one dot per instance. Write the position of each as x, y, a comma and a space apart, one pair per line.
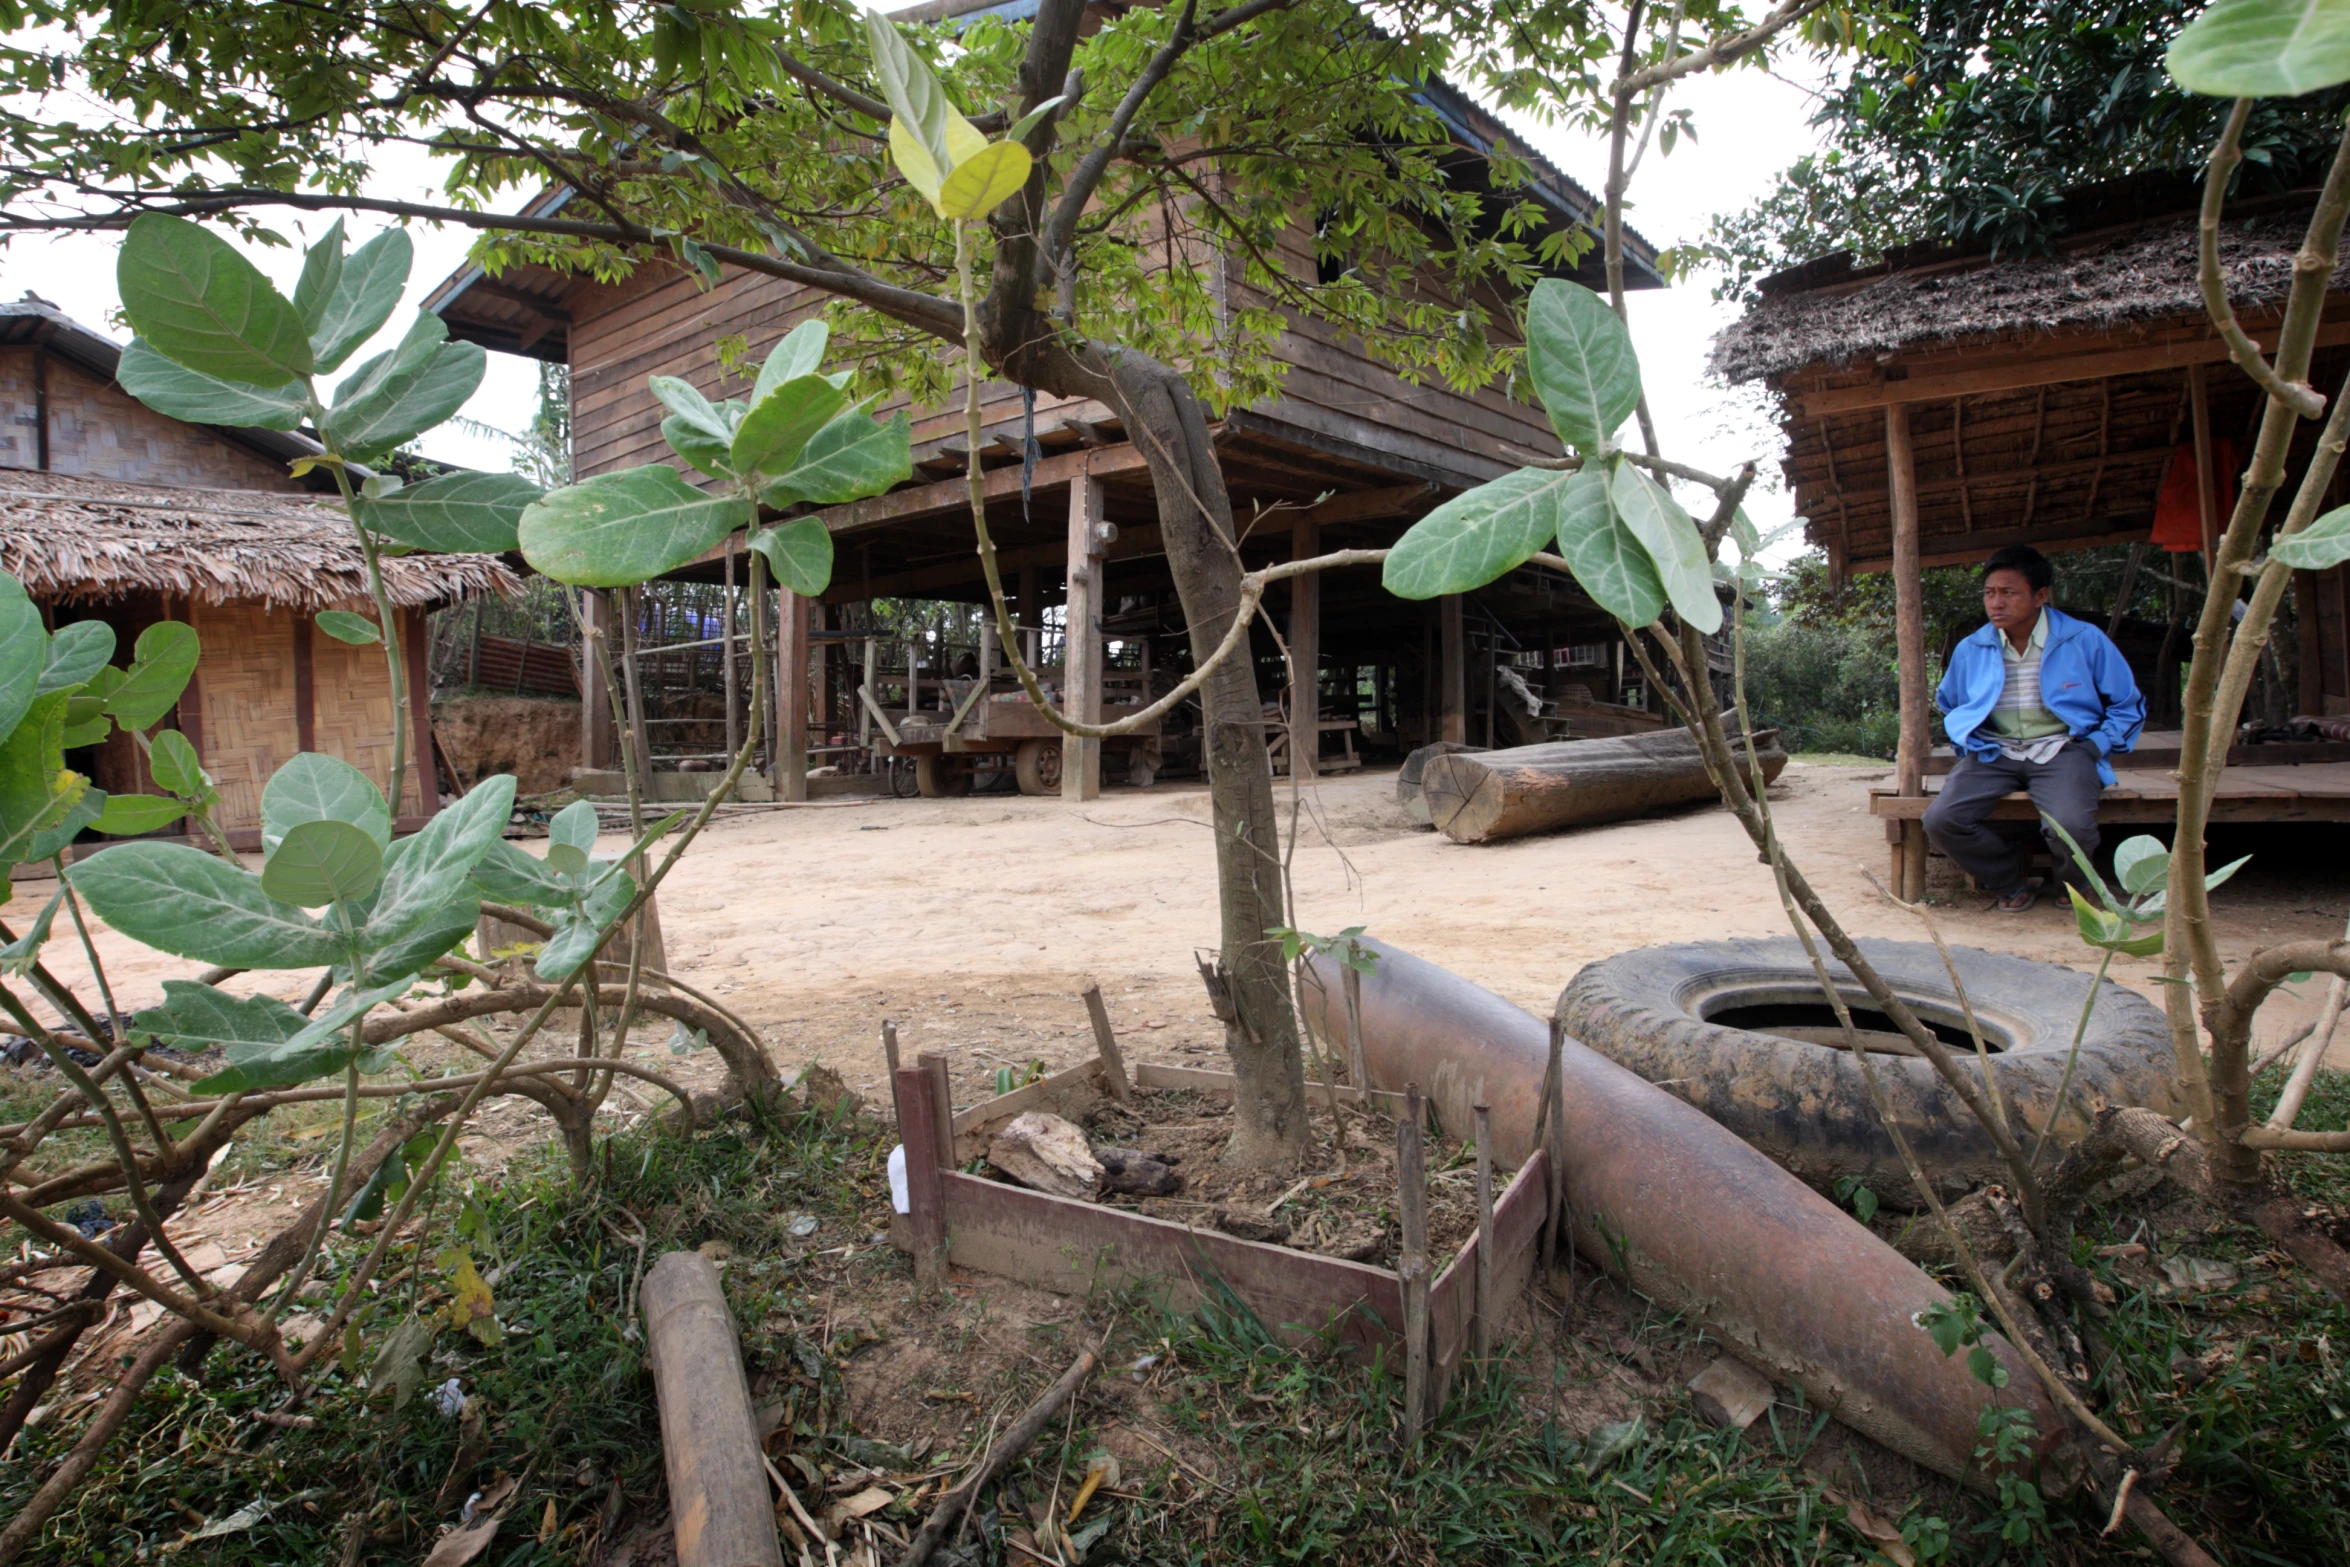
534, 738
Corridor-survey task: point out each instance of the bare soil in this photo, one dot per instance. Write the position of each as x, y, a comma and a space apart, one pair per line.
534, 738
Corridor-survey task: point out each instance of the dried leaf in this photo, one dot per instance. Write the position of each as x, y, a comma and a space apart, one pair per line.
1874, 1528
399, 1365
460, 1546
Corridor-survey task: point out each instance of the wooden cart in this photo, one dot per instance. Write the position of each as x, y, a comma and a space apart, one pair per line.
971, 731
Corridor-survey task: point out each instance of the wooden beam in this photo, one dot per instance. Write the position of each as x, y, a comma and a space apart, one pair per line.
412, 652
1909, 635
1968, 550
2206, 479
1081, 689
953, 494
1305, 651
791, 688
2026, 370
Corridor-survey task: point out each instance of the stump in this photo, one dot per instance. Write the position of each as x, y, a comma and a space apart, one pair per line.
1484, 796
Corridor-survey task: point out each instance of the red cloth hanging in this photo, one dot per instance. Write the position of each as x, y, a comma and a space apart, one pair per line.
2178, 519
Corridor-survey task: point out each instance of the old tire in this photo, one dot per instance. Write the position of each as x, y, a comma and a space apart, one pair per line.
1037, 764
937, 779
1740, 1030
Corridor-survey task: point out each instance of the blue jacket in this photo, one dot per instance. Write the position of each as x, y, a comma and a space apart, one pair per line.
2084, 681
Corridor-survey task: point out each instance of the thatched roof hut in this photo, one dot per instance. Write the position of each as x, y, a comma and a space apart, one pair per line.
1941, 403
111, 511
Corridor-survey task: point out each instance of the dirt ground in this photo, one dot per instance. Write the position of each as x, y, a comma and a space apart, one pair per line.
973, 923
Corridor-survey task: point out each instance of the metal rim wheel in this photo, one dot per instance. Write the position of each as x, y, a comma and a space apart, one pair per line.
1740, 1030
936, 779
1037, 764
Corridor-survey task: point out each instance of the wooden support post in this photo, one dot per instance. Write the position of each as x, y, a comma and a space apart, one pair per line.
1305, 652
2206, 477
1411, 1263
1909, 636
595, 697
1081, 688
917, 1091
1452, 688
865, 708
1486, 1305
306, 681
791, 690
720, 1508
1105, 1042
732, 681
633, 686
428, 774
1028, 614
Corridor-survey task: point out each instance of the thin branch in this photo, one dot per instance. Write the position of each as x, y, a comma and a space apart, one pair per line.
2226, 153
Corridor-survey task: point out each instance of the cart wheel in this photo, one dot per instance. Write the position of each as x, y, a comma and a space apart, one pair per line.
936, 780
1038, 766
904, 781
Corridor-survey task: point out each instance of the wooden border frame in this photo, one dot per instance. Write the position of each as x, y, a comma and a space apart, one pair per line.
1076, 1248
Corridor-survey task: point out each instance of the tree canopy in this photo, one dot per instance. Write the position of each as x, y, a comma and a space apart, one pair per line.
1962, 122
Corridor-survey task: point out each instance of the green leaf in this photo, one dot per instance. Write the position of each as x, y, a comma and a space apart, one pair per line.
1672, 542
686, 402
1027, 122
2140, 946
2263, 48
196, 1017
315, 787
351, 306
78, 806
24, 653
918, 107
566, 859
2224, 872
130, 815
457, 513
319, 1047
193, 905
37, 791
779, 425
344, 626
177, 392
852, 457
1607, 560
175, 766
86, 722
619, 529
408, 402
508, 874
200, 304
2088, 867
984, 181
2325, 543
2098, 927
800, 353
447, 929
711, 454
161, 664
19, 956
1477, 535
77, 651
577, 825
2141, 865
424, 338
1584, 368
800, 554
574, 939
318, 863
434, 866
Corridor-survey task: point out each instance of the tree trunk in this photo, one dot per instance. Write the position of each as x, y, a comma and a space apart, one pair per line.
1164, 419
1480, 797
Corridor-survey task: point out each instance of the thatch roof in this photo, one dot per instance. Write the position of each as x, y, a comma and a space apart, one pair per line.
1827, 316
68, 538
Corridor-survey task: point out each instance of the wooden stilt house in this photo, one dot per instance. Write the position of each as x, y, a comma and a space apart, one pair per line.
1940, 404
111, 511
1348, 455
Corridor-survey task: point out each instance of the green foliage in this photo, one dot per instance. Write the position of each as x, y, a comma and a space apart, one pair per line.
194, 905
1825, 687
344, 626
318, 863
313, 787
199, 303
618, 529
1584, 368
162, 662
24, 652
1668, 536
2263, 48
1608, 559
77, 651
1483, 533
2321, 546
181, 393
399, 394
457, 513
2142, 865
799, 553
345, 299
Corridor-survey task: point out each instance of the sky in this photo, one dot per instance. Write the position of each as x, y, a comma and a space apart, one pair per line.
1749, 125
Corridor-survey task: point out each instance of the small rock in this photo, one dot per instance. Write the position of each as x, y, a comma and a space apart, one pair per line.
1730, 1393
828, 1096
1134, 1171
1253, 1226
801, 1226
1046, 1154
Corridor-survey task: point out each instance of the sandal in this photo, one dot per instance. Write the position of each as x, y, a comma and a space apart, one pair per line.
2019, 901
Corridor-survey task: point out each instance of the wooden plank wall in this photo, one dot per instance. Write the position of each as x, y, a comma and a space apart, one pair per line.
2322, 600
99, 430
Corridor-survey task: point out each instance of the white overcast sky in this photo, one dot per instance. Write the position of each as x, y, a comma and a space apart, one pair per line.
1750, 125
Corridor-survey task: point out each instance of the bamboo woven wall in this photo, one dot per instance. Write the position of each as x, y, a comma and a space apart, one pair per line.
99, 431
245, 695
354, 711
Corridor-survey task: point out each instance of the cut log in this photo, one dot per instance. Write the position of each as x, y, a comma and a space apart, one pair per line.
719, 1506
1491, 795
1408, 781
1047, 1154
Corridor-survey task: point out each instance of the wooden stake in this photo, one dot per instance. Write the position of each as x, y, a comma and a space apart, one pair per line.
1411, 1266
1909, 638
1485, 1301
918, 1119
1105, 1042
1358, 1071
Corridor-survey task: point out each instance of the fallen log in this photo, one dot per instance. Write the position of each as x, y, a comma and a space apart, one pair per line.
719, 1505
1480, 797
1408, 792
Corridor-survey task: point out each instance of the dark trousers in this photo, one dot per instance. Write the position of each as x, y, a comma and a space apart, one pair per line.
2064, 787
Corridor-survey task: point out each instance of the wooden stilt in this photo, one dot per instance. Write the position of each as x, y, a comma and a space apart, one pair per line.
791, 691
595, 705
2206, 472
1081, 760
1909, 635
734, 730
1305, 652
1452, 689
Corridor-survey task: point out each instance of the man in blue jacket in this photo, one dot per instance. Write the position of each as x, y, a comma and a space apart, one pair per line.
2037, 701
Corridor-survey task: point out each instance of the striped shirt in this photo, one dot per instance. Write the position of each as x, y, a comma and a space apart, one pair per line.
2019, 716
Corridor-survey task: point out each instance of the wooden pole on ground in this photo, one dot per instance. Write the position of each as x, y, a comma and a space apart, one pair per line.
1485, 1301
1452, 691
1105, 1040
1411, 1263
1305, 652
791, 696
1081, 671
733, 681
1909, 635
719, 1505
